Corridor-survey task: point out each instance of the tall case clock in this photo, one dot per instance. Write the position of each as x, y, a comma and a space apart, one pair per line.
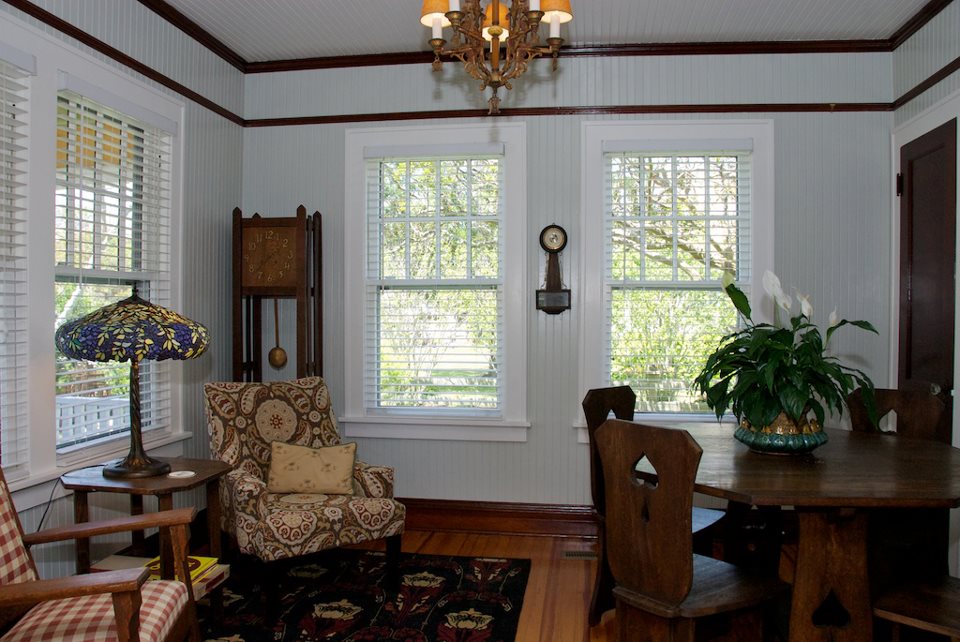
277, 258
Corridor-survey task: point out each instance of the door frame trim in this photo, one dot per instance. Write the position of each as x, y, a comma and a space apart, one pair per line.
937, 115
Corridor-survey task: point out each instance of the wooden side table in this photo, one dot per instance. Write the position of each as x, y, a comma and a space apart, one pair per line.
91, 480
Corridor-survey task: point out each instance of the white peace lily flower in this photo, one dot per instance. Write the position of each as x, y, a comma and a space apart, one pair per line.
727, 280
834, 319
771, 285
806, 308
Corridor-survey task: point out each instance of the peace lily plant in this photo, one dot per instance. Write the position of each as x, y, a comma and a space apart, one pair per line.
763, 370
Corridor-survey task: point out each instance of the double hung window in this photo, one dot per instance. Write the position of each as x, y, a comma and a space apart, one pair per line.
675, 215
112, 234
435, 283
434, 324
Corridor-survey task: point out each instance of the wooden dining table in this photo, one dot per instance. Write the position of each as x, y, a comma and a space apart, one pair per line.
832, 490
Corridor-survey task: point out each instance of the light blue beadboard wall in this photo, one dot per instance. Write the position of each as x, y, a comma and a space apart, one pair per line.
814, 78
832, 219
211, 180
929, 50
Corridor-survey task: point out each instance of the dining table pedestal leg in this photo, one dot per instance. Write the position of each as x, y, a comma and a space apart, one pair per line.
831, 590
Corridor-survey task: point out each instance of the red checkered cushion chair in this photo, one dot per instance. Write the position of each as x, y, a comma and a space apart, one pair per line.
99, 607
243, 420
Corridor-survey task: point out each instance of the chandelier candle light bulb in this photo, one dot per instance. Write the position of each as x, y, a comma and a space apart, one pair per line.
512, 25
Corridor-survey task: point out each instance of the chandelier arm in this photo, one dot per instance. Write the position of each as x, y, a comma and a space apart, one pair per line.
497, 67
517, 61
524, 42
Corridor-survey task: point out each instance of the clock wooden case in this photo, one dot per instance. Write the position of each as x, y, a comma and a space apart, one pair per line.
276, 258
553, 298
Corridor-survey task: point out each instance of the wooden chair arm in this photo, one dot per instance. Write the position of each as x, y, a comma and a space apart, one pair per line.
176, 517
122, 581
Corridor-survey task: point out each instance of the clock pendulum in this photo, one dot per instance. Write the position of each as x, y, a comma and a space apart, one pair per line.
277, 355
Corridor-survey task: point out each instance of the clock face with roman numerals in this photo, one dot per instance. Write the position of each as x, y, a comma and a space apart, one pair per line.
269, 256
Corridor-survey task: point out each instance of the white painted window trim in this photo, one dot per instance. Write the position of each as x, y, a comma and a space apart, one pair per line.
595, 138
54, 57
513, 425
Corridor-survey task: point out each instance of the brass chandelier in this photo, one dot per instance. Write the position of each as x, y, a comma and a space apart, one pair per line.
517, 27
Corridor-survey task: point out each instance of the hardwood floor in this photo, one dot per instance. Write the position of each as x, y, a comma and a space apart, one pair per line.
558, 591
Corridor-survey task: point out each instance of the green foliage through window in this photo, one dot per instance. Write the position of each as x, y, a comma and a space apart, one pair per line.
434, 268
675, 223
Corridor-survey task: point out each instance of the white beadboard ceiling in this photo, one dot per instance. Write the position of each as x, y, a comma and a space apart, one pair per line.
267, 30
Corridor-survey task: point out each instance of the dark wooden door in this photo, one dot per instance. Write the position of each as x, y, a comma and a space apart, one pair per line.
928, 204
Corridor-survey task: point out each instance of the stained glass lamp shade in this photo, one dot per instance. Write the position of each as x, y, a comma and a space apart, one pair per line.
132, 330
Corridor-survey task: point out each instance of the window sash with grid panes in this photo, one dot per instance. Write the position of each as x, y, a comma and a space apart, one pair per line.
14, 90
112, 233
434, 287
674, 222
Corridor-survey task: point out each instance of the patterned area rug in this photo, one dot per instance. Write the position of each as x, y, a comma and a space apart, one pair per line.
343, 595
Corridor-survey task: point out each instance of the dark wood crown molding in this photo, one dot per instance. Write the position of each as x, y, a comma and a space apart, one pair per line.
914, 24
728, 48
639, 49
734, 108
195, 31
925, 15
334, 62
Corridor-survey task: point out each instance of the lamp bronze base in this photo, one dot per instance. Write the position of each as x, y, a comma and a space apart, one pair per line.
134, 468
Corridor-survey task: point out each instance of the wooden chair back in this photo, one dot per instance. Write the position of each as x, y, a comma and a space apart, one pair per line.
920, 414
908, 549
597, 405
649, 543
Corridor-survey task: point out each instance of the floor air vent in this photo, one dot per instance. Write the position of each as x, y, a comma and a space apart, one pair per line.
579, 555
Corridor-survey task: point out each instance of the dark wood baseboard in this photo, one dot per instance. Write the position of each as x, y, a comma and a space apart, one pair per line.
557, 520
459, 516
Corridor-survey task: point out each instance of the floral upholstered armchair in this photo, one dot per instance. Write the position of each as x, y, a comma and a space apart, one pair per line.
247, 423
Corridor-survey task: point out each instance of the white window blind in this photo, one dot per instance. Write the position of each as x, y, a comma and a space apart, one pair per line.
674, 223
112, 232
433, 334
13, 288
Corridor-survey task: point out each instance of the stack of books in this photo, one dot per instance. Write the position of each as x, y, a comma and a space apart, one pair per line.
205, 573
199, 567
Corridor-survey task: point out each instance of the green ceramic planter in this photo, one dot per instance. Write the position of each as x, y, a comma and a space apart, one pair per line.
782, 437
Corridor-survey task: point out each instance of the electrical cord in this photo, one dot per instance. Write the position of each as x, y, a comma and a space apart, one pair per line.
49, 502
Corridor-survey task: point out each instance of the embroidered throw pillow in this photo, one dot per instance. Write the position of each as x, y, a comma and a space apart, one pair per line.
300, 469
